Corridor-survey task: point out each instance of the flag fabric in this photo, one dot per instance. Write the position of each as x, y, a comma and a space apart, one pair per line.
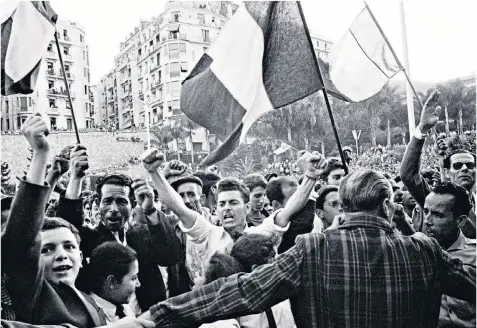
262, 60
283, 148
27, 29
361, 63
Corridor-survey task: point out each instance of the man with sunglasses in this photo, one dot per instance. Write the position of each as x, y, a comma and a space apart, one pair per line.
459, 166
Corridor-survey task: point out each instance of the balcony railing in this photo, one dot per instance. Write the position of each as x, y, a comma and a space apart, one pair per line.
154, 68
70, 75
51, 55
68, 58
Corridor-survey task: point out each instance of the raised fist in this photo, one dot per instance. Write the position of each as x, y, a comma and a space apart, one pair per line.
60, 165
315, 163
174, 168
79, 161
430, 113
441, 145
144, 195
35, 131
152, 159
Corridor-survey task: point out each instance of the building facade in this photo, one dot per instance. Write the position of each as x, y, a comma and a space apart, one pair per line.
321, 46
50, 96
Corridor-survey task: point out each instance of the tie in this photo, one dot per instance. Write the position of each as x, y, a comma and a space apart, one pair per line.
120, 311
271, 319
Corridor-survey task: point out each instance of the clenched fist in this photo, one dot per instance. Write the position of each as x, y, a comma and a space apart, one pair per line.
152, 159
314, 164
35, 131
144, 195
79, 161
174, 168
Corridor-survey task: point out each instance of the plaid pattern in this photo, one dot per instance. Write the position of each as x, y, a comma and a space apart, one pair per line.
360, 275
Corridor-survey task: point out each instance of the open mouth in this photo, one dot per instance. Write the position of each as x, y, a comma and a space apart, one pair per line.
62, 268
228, 217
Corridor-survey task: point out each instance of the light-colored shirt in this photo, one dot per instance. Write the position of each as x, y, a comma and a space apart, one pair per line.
204, 239
281, 313
109, 309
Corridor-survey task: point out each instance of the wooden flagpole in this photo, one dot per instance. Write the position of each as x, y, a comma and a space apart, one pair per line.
67, 87
325, 93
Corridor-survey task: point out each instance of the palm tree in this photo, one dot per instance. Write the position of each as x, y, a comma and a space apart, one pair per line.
189, 126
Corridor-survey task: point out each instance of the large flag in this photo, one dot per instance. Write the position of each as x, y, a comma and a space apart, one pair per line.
361, 63
262, 60
283, 148
27, 29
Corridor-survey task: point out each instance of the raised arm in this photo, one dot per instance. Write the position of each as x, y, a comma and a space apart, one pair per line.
152, 160
164, 246
59, 167
70, 206
314, 164
21, 237
411, 162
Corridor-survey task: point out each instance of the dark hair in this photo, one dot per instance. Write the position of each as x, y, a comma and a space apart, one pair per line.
447, 160
208, 179
232, 184
275, 188
110, 258
398, 179
462, 201
364, 191
254, 180
117, 180
322, 193
221, 265
252, 249
332, 164
56, 223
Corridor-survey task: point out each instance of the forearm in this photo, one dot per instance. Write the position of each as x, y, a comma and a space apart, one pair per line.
296, 202
172, 199
36, 172
410, 168
73, 190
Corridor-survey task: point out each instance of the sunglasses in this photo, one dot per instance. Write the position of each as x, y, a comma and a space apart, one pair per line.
459, 165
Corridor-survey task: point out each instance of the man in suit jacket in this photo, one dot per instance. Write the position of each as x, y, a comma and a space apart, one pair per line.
155, 242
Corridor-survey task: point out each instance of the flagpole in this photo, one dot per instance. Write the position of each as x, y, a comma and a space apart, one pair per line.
66, 86
325, 93
394, 54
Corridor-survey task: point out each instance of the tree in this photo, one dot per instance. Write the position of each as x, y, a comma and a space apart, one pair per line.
189, 126
177, 132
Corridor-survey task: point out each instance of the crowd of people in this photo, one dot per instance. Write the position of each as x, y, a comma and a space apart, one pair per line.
322, 247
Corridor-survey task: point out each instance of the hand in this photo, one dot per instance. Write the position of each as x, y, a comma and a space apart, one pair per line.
302, 155
60, 166
152, 159
174, 168
430, 115
399, 215
128, 322
35, 131
337, 221
79, 161
144, 195
314, 165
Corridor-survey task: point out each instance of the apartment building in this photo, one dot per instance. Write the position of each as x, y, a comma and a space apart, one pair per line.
321, 46
50, 96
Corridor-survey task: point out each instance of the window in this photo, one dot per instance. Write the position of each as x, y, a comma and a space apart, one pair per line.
205, 49
52, 103
51, 84
175, 70
159, 93
173, 50
201, 18
151, 43
175, 16
158, 57
53, 123
66, 51
69, 124
184, 67
23, 103
182, 47
85, 89
158, 39
81, 38
86, 107
160, 77
50, 66
85, 72
65, 34
29, 98
84, 55
174, 35
317, 43
205, 36
19, 123
50, 48
139, 52
7, 105
176, 110
176, 89
8, 123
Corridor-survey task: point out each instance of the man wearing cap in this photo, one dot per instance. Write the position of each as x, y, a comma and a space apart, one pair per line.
209, 188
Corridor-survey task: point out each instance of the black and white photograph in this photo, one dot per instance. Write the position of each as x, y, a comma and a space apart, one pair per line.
238, 164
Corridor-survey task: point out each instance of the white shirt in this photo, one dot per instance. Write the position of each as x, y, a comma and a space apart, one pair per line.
109, 309
281, 313
205, 239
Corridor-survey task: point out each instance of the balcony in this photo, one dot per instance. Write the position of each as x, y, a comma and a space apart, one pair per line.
60, 93
53, 111
141, 95
110, 87
67, 58
155, 68
126, 94
70, 76
53, 73
155, 84
111, 100
125, 80
51, 55
64, 39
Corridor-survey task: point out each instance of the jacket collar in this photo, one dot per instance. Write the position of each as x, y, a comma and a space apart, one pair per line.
361, 220
460, 243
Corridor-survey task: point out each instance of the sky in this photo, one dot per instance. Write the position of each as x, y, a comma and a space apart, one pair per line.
441, 44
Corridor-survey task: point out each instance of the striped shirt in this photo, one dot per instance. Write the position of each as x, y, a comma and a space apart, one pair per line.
360, 275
